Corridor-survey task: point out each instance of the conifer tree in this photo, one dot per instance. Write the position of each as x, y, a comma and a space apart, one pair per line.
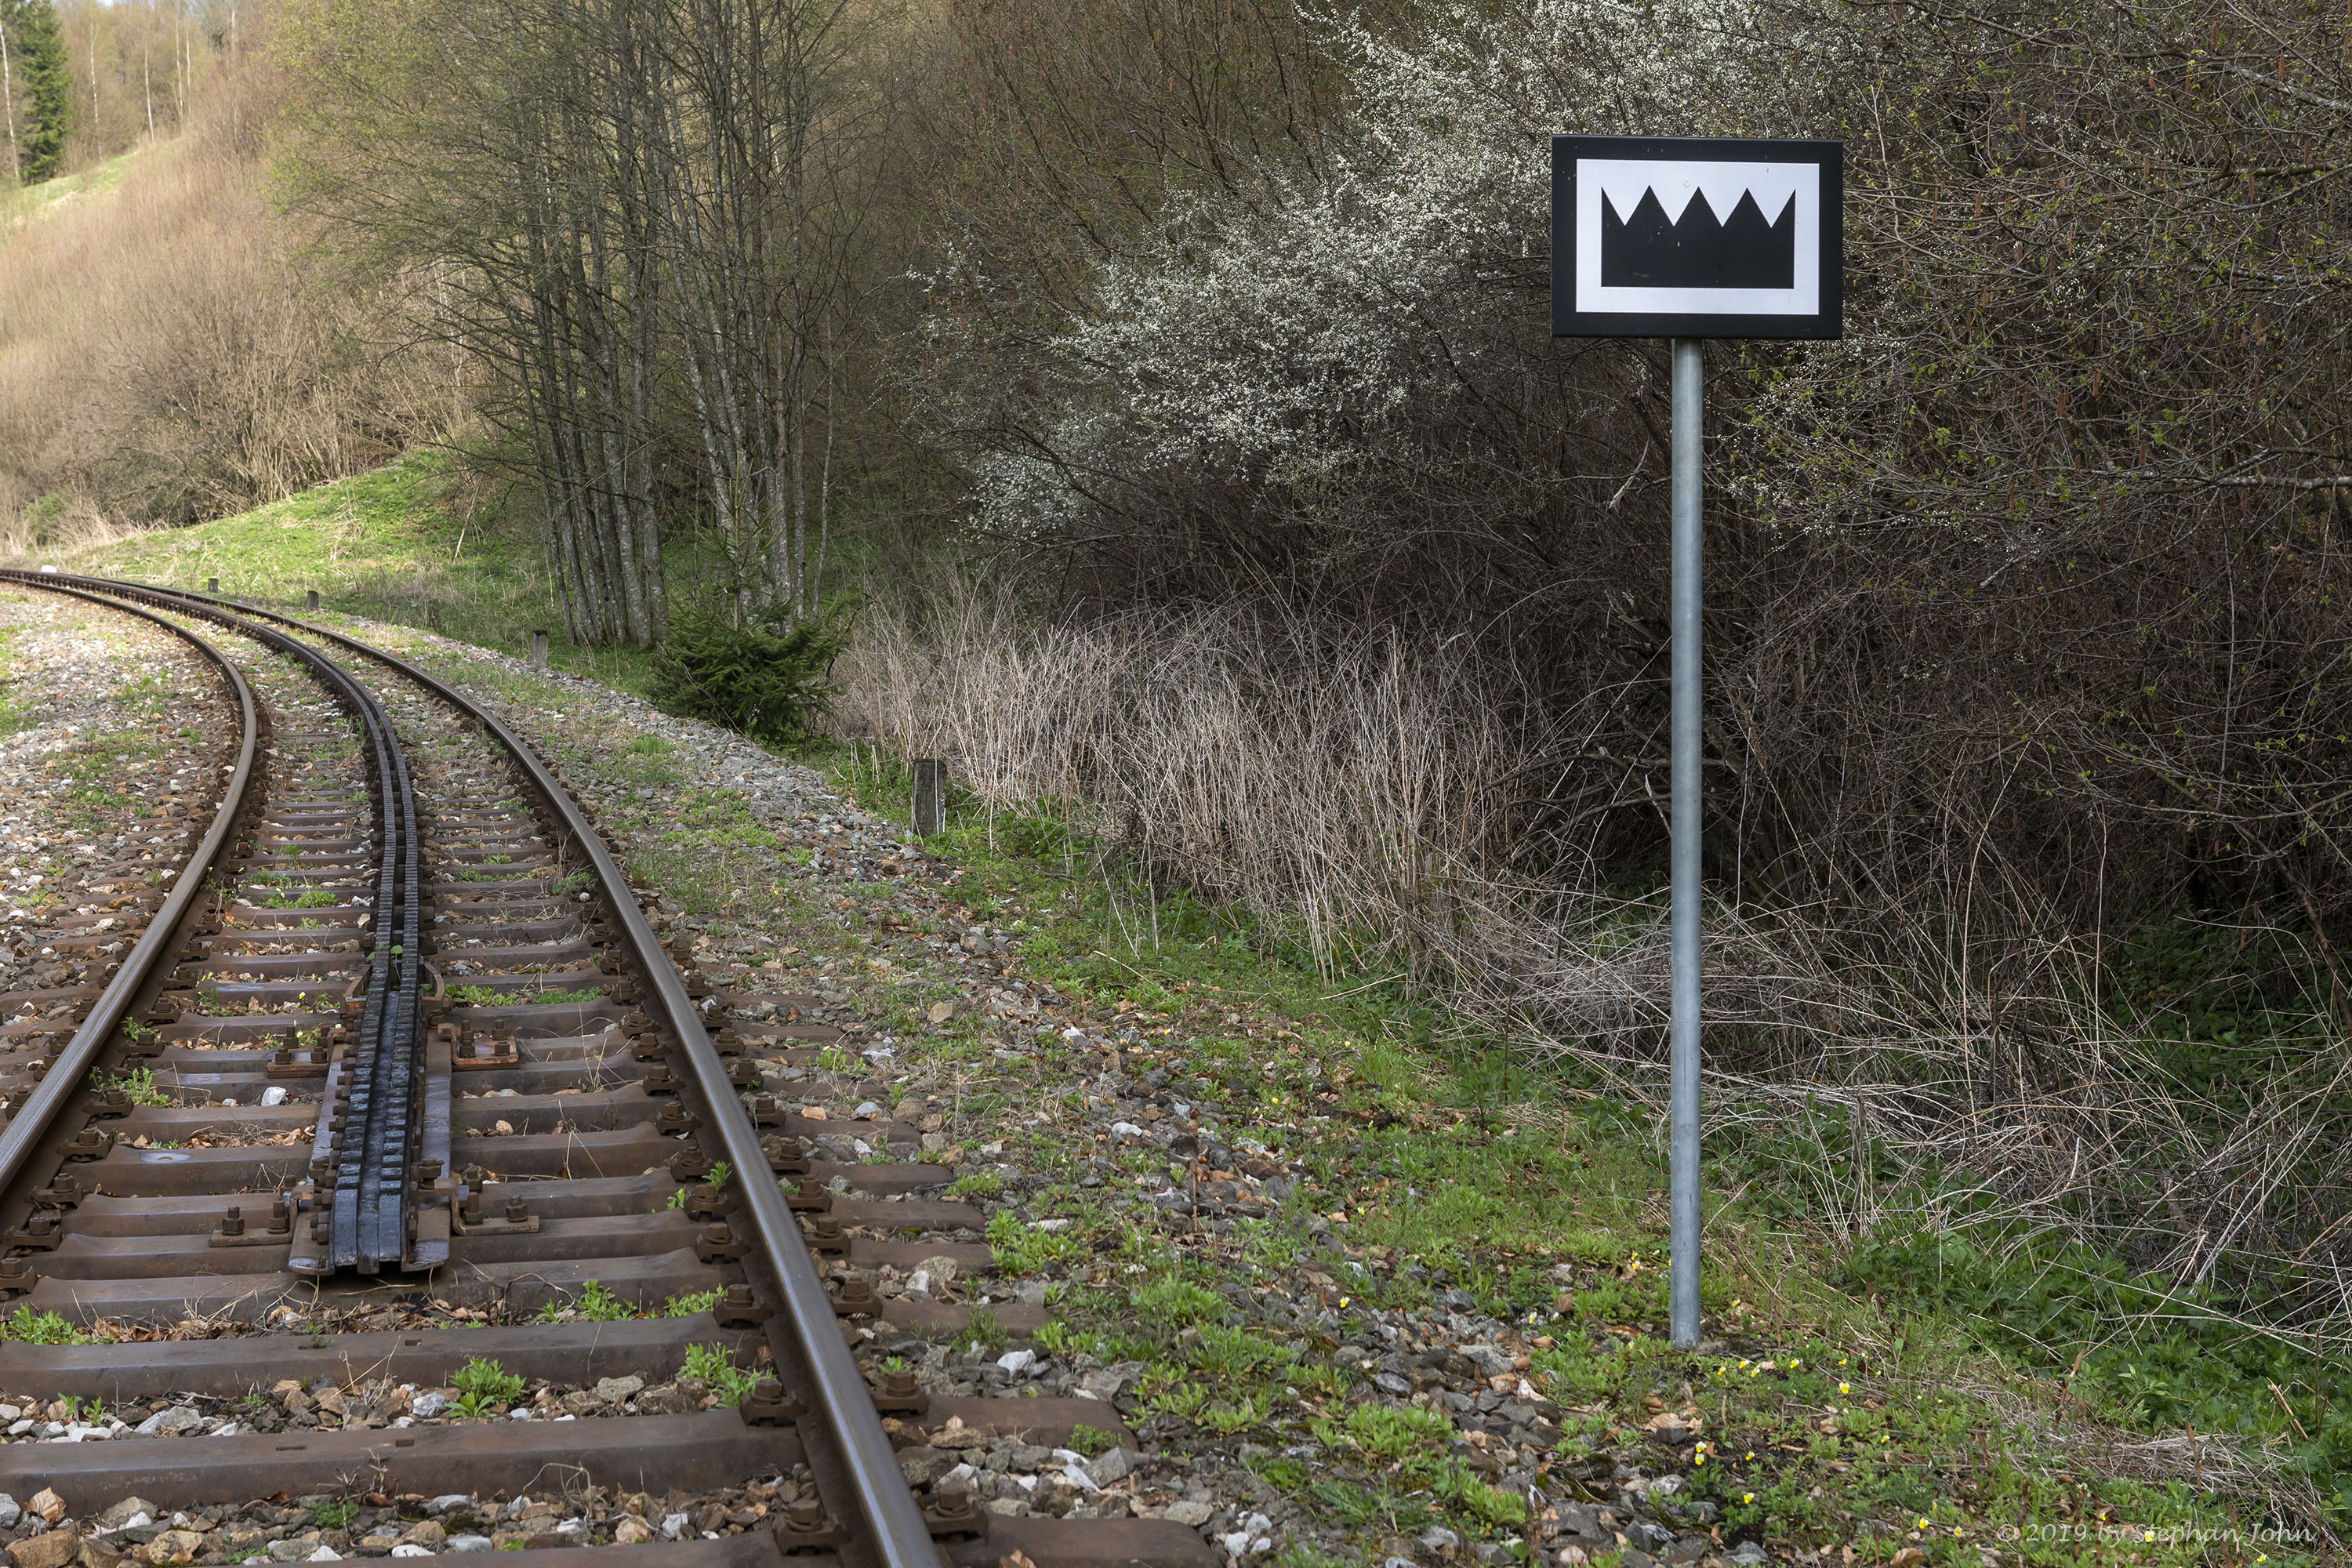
41, 87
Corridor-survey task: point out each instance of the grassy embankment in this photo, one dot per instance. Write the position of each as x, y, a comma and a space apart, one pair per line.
1842, 1402
22, 204
406, 543
1913, 1395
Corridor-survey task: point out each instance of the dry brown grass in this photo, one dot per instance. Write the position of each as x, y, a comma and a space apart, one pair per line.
1361, 793
164, 356
1332, 780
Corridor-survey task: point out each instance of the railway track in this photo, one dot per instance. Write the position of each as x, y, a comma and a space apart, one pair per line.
398, 1193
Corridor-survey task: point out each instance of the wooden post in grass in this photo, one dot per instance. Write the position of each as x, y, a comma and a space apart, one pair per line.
539, 651
930, 811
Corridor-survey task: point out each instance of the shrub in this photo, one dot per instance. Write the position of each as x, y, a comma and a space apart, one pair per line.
766, 685
483, 1386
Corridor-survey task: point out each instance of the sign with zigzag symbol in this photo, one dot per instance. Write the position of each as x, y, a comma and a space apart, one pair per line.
1696, 238
1690, 239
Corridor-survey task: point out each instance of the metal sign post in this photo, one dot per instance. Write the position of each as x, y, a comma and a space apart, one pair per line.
1683, 776
1688, 238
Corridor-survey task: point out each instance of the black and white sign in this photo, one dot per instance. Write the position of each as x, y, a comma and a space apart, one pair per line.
1662, 236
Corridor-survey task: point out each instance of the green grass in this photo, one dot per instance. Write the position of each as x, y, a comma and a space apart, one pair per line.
491, 996
484, 1387
1091, 1440
714, 1366
290, 898
595, 1304
977, 1185
1446, 1157
139, 1085
1020, 1249
408, 543
41, 1329
334, 1515
23, 204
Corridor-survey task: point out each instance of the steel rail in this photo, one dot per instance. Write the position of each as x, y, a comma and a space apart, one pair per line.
363, 1177
27, 1130
896, 1531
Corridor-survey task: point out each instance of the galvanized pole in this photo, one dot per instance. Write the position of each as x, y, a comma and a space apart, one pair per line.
1688, 404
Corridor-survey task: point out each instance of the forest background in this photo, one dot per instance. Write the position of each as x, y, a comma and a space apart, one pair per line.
1153, 400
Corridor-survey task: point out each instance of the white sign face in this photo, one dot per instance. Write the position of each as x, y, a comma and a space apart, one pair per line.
1667, 237
1713, 237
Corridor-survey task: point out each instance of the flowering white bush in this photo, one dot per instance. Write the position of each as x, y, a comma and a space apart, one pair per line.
1280, 337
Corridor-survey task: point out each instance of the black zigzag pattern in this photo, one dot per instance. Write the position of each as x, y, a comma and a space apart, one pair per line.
1701, 251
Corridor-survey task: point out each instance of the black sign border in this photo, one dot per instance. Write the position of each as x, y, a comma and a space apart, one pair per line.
1567, 321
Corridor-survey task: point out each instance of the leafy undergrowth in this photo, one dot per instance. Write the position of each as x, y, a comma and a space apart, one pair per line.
1911, 1399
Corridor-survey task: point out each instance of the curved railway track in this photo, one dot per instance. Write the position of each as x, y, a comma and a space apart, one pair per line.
398, 1068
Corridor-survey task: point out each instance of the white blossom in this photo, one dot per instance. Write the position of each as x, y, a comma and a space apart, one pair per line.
1281, 335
